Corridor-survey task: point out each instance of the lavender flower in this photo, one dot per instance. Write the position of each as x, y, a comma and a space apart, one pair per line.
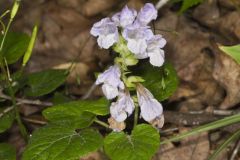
151, 109
123, 108
147, 14
137, 37
107, 33
125, 17
154, 51
111, 82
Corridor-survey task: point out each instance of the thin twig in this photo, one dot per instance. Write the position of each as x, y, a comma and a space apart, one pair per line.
35, 121
235, 151
27, 101
170, 130
5, 111
89, 92
216, 112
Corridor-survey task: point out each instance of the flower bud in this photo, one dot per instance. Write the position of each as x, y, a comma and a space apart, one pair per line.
15, 9
130, 60
132, 80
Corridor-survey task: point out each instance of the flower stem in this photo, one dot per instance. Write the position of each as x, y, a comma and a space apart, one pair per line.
136, 116
101, 123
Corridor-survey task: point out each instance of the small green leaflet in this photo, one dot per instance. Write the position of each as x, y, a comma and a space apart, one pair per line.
15, 46
141, 145
233, 51
78, 113
162, 82
7, 152
44, 82
61, 143
6, 119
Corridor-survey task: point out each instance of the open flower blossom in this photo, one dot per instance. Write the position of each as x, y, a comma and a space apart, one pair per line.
107, 33
147, 14
123, 108
154, 50
137, 37
111, 82
151, 109
135, 30
125, 17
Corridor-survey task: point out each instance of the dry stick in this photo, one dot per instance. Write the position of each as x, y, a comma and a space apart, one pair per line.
188, 119
235, 151
35, 121
27, 101
5, 111
217, 112
89, 92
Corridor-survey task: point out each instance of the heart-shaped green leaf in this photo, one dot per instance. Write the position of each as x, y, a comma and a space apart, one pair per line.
61, 143
79, 113
7, 152
141, 145
44, 82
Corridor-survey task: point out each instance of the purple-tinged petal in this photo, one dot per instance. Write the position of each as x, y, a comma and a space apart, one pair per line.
122, 108
107, 33
156, 57
109, 91
147, 14
127, 16
137, 37
111, 82
150, 107
157, 41
137, 46
116, 18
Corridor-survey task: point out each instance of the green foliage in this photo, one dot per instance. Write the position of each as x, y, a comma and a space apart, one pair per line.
44, 82
162, 82
233, 51
6, 120
224, 145
61, 143
14, 47
78, 113
7, 152
141, 145
60, 98
188, 4
210, 126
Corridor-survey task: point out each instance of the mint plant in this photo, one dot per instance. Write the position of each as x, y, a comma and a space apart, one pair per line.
68, 136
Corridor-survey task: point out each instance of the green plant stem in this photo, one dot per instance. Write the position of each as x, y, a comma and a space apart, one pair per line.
210, 126
136, 116
5, 34
101, 123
